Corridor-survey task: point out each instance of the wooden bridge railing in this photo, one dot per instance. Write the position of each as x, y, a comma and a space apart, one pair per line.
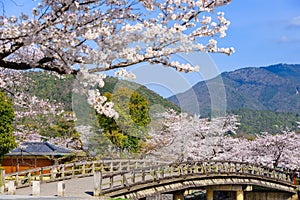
78, 169
117, 181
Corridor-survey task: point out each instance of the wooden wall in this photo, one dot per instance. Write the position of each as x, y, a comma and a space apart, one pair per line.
17, 163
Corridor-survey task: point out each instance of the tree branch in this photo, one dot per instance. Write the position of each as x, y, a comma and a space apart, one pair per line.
13, 48
41, 65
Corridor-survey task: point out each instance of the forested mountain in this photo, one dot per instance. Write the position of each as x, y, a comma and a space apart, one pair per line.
265, 121
61, 89
254, 94
266, 98
272, 88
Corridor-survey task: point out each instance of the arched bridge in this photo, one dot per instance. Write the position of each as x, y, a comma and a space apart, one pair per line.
169, 178
137, 179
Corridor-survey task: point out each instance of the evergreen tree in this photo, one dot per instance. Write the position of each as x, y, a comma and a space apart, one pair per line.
130, 128
7, 140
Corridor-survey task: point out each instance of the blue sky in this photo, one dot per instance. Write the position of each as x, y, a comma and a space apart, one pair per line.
263, 32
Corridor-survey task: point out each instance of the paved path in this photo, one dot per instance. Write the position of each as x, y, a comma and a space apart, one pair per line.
76, 188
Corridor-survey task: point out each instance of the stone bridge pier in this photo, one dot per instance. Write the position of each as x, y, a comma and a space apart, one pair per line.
238, 189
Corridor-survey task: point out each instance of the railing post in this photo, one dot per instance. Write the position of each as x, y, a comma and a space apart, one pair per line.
29, 177
124, 180
222, 167
244, 168
111, 181
196, 170
83, 168
186, 169
41, 174
273, 173
61, 187
209, 168
143, 175
155, 174
11, 188
17, 179
120, 166
73, 169
111, 166
2, 180
97, 183
162, 170
93, 168
53, 172
235, 168
133, 177
36, 188
63, 171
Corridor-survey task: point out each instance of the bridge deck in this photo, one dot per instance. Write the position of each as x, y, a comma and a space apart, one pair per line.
134, 177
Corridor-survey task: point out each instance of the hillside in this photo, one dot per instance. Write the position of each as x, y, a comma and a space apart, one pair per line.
259, 121
269, 90
273, 88
61, 90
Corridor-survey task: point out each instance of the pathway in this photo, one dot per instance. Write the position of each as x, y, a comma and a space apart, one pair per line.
76, 188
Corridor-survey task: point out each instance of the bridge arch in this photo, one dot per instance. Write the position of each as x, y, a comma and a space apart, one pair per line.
171, 185
150, 181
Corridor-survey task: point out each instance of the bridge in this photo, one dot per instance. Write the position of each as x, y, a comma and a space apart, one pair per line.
141, 179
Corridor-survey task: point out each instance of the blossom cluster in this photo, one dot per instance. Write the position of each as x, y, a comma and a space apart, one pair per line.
59, 36
100, 104
182, 136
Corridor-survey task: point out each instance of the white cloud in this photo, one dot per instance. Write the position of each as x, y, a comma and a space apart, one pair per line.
284, 39
288, 39
295, 21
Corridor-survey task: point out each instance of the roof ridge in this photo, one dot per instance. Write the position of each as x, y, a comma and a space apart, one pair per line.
52, 147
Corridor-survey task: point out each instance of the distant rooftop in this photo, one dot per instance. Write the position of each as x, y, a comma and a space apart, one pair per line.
38, 149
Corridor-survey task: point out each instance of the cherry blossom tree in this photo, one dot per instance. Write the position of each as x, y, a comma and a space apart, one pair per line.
26, 106
86, 37
182, 136
277, 150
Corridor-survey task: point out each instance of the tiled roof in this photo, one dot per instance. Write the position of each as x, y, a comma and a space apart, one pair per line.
38, 148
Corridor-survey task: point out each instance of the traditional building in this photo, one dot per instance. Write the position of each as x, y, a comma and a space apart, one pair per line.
34, 154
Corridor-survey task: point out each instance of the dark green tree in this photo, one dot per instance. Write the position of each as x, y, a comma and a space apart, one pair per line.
7, 139
128, 131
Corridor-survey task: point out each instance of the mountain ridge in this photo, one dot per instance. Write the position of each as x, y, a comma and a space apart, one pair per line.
273, 88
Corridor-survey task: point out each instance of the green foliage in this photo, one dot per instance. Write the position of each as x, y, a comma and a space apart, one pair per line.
61, 126
274, 88
60, 89
7, 140
131, 127
53, 88
258, 121
154, 99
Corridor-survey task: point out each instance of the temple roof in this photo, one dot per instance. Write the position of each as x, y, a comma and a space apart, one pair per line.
38, 149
